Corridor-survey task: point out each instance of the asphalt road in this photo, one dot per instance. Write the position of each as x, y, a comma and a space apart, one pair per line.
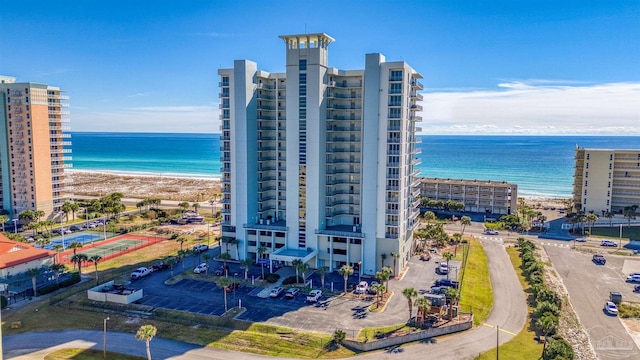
588, 286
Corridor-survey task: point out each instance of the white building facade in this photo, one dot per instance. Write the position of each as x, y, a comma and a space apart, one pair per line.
319, 164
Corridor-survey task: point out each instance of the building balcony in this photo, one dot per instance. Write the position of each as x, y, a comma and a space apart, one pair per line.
415, 118
391, 223
265, 96
344, 128
337, 95
415, 84
416, 107
416, 96
392, 211
224, 94
343, 192
394, 128
58, 112
391, 235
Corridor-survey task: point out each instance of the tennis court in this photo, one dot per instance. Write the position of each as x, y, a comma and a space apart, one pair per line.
83, 238
113, 247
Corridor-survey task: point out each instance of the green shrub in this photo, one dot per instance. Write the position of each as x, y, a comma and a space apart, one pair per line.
292, 280
558, 348
48, 289
271, 278
75, 278
3, 302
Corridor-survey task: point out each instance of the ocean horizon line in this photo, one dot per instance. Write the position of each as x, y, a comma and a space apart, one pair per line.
419, 134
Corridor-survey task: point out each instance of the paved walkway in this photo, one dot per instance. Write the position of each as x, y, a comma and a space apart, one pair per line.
509, 313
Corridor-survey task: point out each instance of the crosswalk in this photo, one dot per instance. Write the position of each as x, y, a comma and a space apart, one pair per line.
492, 238
555, 244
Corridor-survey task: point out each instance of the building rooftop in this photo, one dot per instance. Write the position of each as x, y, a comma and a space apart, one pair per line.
14, 253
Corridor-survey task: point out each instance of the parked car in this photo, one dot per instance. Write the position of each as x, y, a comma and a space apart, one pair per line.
159, 266
447, 282
611, 308
599, 259
276, 291
140, 273
438, 289
231, 288
371, 290
443, 268
220, 271
425, 256
314, 296
362, 287
76, 228
608, 243
633, 278
636, 288
89, 225
292, 293
201, 268
491, 232
200, 248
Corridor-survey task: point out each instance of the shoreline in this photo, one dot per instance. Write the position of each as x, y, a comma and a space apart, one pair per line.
185, 187
145, 174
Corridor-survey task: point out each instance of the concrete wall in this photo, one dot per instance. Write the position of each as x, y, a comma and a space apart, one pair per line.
96, 294
397, 340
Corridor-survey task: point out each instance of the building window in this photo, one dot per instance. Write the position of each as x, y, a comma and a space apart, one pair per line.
586, 183
395, 89
303, 64
609, 184
394, 113
396, 75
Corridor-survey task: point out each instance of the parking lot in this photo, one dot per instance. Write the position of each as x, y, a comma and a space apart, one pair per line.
588, 285
330, 313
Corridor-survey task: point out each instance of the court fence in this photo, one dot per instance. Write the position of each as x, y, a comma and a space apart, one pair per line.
111, 252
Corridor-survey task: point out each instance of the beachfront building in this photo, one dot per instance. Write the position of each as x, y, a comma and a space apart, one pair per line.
606, 180
482, 196
34, 148
318, 163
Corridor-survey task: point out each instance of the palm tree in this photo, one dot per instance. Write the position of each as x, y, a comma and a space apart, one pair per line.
383, 256
296, 265
206, 257
171, 262
181, 240
182, 254
33, 274
322, 271
395, 257
146, 333
629, 213
3, 220
345, 271
609, 215
591, 219
303, 268
429, 216
410, 293
246, 264
195, 206
464, 222
380, 290
57, 269
223, 282
383, 276
225, 257
448, 255
78, 259
95, 259
212, 202
452, 295
261, 251
75, 245
184, 205
423, 306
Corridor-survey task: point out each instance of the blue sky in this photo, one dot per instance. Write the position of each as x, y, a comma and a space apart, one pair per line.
490, 67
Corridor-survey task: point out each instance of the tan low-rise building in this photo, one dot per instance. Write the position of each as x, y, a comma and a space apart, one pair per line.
17, 257
483, 196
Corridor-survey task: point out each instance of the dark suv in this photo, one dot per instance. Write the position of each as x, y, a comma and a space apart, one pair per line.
599, 259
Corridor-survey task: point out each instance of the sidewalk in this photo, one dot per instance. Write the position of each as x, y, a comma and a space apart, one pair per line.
284, 273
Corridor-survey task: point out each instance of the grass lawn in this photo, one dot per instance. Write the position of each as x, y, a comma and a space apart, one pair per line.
522, 346
477, 294
370, 333
88, 354
614, 232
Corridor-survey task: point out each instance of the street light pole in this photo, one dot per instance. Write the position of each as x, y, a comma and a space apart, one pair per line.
15, 226
62, 230
104, 340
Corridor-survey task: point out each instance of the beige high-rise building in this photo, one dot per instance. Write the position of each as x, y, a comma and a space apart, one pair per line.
34, 148
606, 179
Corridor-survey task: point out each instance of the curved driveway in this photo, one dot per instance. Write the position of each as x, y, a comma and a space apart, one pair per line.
509, 313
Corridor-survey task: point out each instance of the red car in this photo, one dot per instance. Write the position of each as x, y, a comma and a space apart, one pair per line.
231, 288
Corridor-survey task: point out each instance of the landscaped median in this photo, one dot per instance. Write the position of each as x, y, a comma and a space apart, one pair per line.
476, 294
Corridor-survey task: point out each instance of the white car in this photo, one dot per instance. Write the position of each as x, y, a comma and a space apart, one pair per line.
444, 268
201, 268
609, 243
276, 291
314, 296
633, 278
362, 287
611, 308
491, 232
140, 273
200, 248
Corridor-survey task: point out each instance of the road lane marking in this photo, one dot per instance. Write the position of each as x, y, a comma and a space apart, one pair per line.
502, 330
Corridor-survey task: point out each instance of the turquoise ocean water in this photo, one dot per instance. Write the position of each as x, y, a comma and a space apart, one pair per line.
540, 165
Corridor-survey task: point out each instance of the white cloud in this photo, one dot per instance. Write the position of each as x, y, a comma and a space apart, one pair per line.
537, 107
176, 119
